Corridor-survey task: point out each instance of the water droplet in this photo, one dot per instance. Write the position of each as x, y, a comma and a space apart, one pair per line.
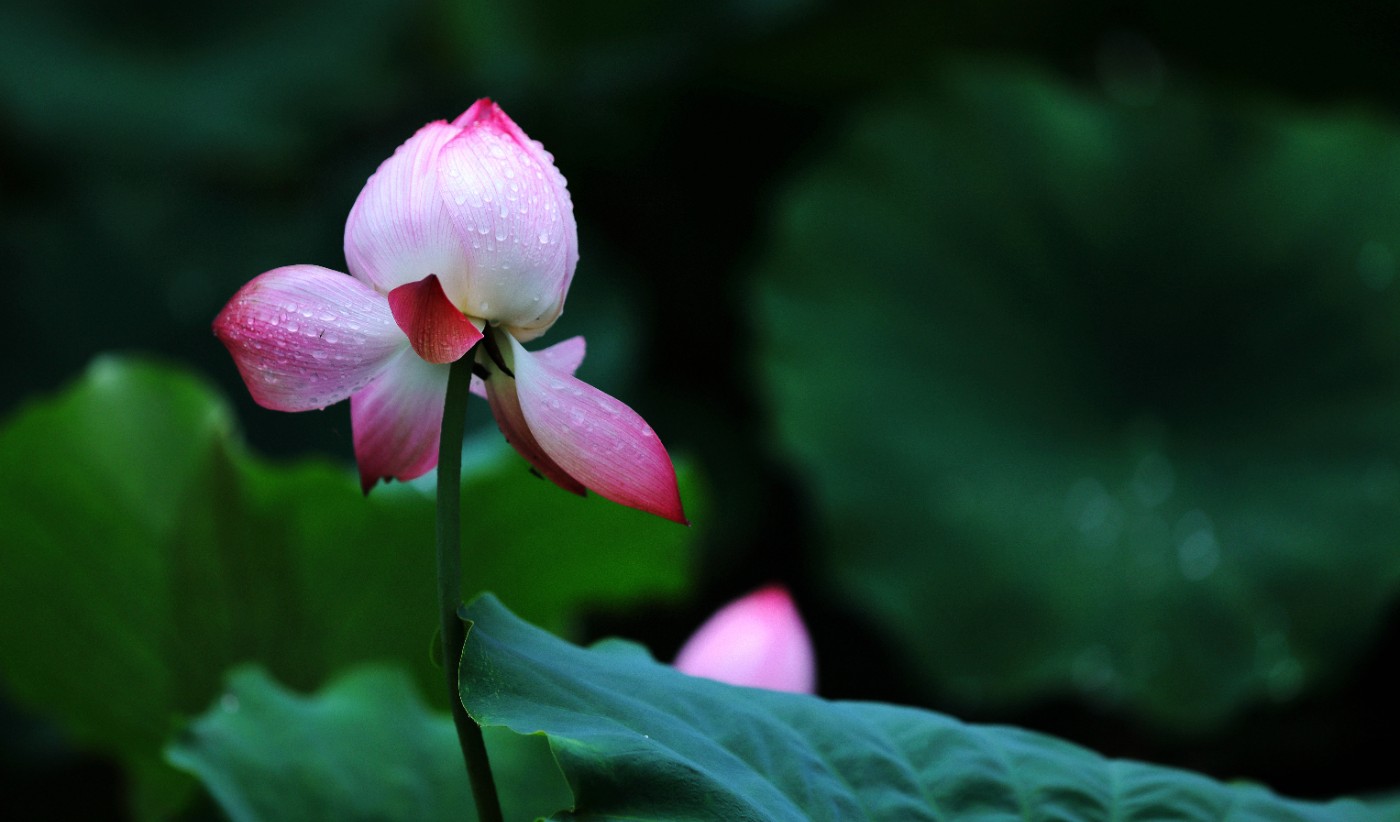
1281, 670
1198, 555
319, 353
1094, 513
501, 235
1376, 265
1154, 479
498, 152
544, 238
1094, 672
1381, 482
461, 199
293, 327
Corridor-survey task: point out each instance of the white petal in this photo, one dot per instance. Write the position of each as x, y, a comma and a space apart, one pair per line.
399, 231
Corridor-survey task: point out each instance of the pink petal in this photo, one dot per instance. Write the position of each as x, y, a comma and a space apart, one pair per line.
397, 420
505, 407
399, 231
564, 356
594, 438
435, 328
758, 641
305, 337
511, 206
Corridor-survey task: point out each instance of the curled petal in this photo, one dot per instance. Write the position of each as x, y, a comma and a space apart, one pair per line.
595, 439
505, 407
758, 641
305, 337
399, 231
435, 328
564, 356
397, 420
512, 208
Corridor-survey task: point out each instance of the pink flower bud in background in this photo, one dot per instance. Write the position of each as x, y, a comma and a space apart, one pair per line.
758, 641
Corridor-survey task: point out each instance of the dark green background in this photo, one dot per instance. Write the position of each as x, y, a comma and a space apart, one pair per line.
155, 156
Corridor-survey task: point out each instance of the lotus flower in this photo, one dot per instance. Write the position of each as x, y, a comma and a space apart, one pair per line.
757, 641
463, 241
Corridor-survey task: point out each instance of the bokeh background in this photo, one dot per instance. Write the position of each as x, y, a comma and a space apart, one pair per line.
1050, 355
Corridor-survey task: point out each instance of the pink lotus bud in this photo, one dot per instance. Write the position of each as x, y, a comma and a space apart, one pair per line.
482, 206
758, 641
463, 241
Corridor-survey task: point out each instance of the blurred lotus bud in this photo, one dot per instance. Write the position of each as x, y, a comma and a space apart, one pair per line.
758, 641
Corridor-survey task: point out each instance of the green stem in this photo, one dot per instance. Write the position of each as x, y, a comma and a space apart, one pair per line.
449, 570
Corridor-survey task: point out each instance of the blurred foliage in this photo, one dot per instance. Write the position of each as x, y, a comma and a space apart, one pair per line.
157, 554
640, 740
363, 747
1113, 407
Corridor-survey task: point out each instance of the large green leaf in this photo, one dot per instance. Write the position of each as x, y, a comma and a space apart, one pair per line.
364, 747
639, 740
146, 553
1094, 395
